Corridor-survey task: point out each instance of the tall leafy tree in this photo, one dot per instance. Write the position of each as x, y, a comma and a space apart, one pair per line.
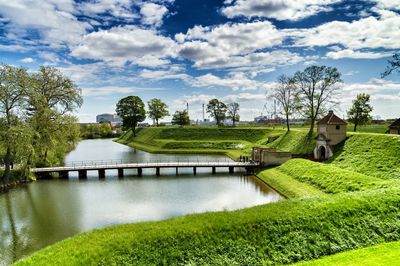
233, 112
317, 86
52, 98
181, 118
359, 113
286, 94
13, 86
394, 65
217, 110
131, 110
157, 110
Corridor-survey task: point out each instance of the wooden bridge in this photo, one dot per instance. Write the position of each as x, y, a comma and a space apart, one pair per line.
102, 166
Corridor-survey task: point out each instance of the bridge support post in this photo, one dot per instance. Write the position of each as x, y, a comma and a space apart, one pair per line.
177, 171
102, 173
249, 170
82, 174
214, 170
120, 172
63, 174
231, 169
157, 171
194, 170
139, 171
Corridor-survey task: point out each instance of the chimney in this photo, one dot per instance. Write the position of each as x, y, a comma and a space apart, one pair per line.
330, 112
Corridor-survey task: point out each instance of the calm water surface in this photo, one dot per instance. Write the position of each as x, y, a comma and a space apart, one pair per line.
47, 211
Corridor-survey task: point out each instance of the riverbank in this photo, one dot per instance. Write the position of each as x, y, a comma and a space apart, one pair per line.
329, 210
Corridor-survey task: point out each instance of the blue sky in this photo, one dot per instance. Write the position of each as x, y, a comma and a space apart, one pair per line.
192, 51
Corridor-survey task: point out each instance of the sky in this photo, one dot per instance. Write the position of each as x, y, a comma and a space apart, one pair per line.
187, 51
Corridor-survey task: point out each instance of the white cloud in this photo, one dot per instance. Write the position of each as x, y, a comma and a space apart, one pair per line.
368, 32
121, 9
277, 9
388, 4
348, 53
174, 72
120, 45
48, 18
27, 60
104, 91
153, 14
244, 97
235, 81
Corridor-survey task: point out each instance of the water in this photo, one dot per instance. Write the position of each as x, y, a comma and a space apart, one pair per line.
47, 211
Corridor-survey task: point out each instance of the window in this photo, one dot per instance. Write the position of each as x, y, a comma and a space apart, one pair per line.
337, 127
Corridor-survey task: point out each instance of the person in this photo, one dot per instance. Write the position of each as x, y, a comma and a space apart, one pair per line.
12, 165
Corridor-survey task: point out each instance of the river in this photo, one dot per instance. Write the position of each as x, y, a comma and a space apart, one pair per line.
44, 212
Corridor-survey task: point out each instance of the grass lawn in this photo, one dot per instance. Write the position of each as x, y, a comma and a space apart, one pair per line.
381, 254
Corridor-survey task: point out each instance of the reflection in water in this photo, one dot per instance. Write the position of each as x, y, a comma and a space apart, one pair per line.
44, 212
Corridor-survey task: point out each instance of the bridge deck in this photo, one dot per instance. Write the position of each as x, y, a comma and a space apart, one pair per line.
105, 166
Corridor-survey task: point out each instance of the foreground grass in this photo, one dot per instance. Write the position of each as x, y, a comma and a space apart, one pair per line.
376, 155
382, 254
284, 232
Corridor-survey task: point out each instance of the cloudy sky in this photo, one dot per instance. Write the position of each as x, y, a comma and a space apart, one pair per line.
191, 51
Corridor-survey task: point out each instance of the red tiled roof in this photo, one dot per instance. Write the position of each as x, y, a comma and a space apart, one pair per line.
331, 119
396, 124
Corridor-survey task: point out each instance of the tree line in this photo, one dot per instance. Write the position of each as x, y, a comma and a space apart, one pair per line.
37, 128
132, 111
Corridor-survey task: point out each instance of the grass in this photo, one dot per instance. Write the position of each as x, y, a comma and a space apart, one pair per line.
381, 254
297, 141
374, 128
284, 232
330, 179
287, 185
376, 155
232, 142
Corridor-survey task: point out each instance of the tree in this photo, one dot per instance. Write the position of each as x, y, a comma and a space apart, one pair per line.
217, 110
131, 110
181, 118
359, 113
317, 86
157, 109
233, 112
52, 97
286, 94
394, 64
13, 85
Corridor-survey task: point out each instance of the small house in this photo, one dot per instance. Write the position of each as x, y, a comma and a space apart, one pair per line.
394, 128
331, 131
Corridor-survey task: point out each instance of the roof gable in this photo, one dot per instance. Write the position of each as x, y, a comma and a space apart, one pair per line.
331, 119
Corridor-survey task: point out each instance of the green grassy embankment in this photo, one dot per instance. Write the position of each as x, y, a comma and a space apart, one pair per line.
375, 155
381, 254
232, 142
296, 141
284, 232
329, 210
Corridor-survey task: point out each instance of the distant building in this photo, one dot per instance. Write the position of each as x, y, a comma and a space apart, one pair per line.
113, 119
394, 128
268, 121
331, 131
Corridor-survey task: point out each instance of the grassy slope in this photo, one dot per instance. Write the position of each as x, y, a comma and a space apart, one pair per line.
287, 185
376, 155
382, 254
230, 141
330, 179
296, 141
284, 232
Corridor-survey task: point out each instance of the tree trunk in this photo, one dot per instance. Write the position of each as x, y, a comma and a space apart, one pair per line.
310, 132
287, 122
355, 127
134, 130
233, 121
156, 122
7, 163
